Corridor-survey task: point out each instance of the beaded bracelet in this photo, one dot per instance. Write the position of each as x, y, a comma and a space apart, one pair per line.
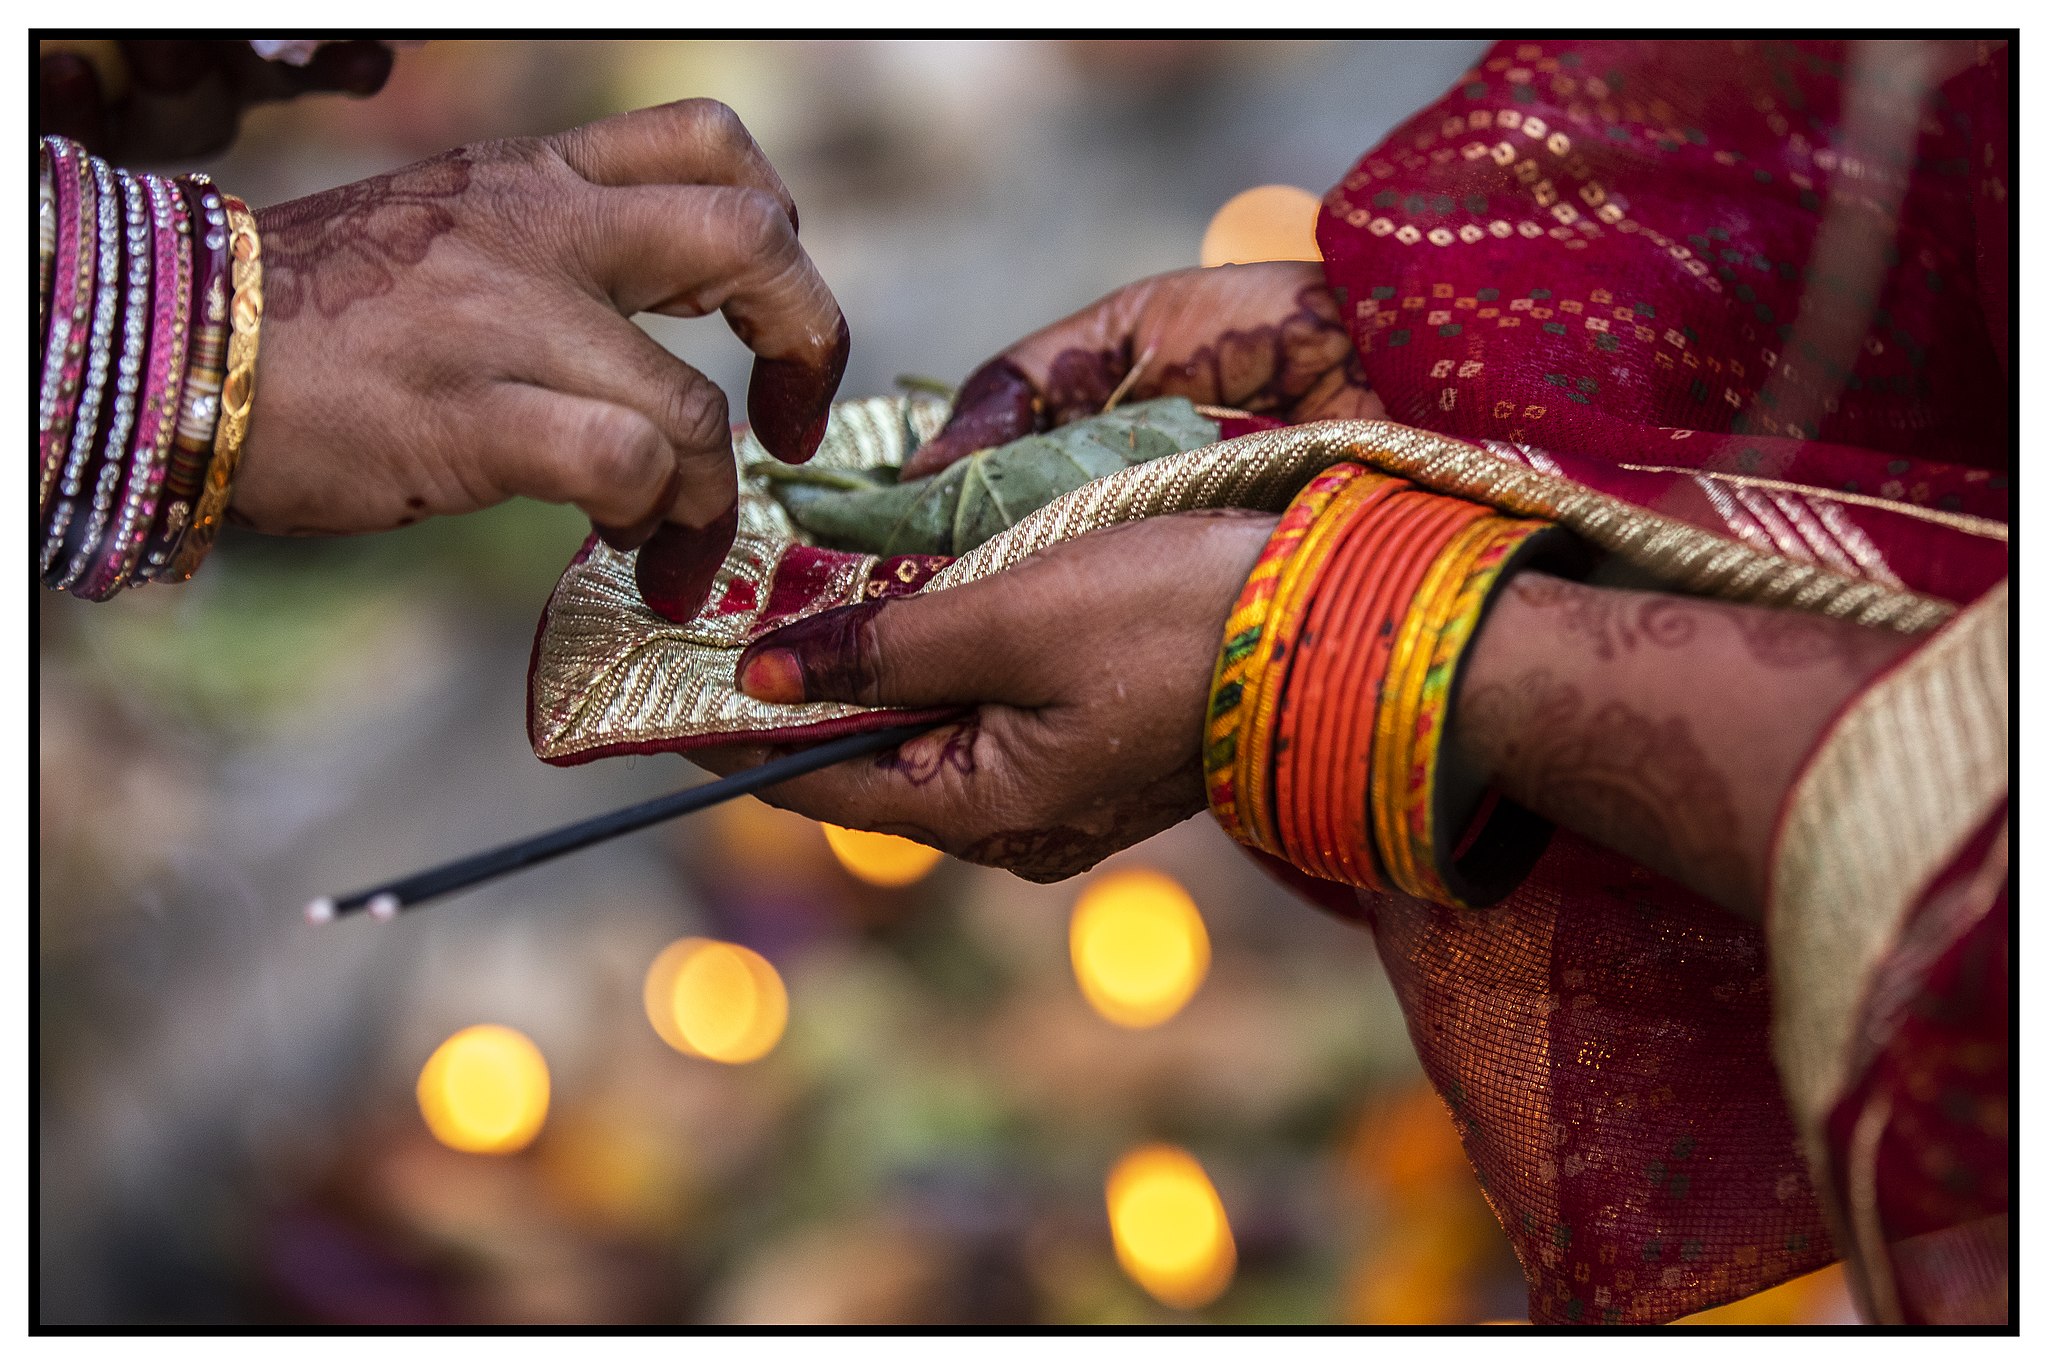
80, 472
137, 262
46, 251
149, 300
158, 411
70, 308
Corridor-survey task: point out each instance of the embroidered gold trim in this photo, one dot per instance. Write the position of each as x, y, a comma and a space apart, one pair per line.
608, 671
1961, 521
1903, 778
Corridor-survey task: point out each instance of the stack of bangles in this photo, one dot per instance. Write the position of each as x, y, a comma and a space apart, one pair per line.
1327, 714
149, 300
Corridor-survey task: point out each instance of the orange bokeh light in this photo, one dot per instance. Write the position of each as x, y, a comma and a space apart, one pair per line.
1265, 223
485, 1090
1172, 1235
881, 859
715, 1000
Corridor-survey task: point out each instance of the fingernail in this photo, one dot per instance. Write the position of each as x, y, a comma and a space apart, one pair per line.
624, 538
677, 565
788, 401
773, 675
827, 657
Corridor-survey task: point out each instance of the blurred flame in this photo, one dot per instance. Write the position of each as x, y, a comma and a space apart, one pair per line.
485, 1090
715, 1000
881, 859
1171, 1233
1139, 947
1265, 223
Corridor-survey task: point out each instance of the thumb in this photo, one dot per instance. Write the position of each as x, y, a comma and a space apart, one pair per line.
960, 646
997, 405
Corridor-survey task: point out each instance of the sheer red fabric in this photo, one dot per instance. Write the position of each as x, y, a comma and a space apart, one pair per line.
1642, 265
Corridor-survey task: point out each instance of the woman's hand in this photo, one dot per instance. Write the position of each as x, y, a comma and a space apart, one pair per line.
1267, 338
1088, 669
456, 333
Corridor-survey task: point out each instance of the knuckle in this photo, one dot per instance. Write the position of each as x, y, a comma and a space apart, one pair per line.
612, 447
715, 122
759, 226
699, 415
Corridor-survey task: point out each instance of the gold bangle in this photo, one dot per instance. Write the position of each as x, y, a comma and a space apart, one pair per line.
1394, 725
237, 390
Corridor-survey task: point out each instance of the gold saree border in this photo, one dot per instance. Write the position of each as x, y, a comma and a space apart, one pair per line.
1902, 779
609, 674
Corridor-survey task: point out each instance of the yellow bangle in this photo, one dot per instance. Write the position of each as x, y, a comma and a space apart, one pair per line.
237, 390
1237, 681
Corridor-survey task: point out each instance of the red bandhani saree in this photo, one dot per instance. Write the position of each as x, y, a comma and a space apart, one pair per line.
1760, 287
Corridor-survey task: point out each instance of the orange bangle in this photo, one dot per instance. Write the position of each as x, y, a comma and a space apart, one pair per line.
1414, 535
1302, 703
1241, 663
1255, 757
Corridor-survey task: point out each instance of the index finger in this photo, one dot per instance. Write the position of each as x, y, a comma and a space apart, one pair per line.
689, 142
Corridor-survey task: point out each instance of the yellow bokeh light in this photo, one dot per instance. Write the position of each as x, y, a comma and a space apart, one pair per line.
715, 1000
485, 1090
1171, 1233
881, 859
1139, 947
1265, 223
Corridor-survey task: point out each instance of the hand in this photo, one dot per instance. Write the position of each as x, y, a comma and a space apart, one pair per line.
1267, 338
1088, 669
172, 99
455, 333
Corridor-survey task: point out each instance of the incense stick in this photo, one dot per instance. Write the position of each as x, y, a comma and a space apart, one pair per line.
386, 899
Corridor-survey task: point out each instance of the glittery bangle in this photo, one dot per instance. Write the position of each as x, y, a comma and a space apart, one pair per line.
199, 405
136, 263
46, 248
79, 477
1241, 662
70, 310
157, 414
238, 390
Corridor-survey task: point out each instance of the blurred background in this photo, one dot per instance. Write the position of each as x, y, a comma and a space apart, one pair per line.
740, 1069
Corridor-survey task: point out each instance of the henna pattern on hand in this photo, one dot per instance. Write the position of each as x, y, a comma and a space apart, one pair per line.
1053, 853
1635, 782
924, 758
1615, 622
330, 251
1611, 622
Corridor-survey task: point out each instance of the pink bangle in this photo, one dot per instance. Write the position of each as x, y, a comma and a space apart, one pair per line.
46, 252
80, 472
199, 406
70, 303
127, 376
157, 414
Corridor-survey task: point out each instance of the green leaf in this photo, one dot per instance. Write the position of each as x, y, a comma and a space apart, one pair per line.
975, 498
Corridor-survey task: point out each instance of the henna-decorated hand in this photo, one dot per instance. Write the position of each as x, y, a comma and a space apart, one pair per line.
456, 333
1088, 665
1266, 338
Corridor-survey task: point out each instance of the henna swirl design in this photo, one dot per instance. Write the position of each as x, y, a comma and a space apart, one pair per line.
329, 251
1055, 852
1627, 779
